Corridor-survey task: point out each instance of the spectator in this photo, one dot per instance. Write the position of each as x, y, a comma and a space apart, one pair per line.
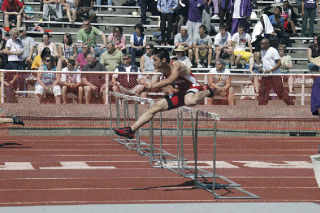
147, 65
39, 59
144, 4
312, 53
118, 38
71, 82
47, 43
166, 9
255, 67
98, 2
182, 13
70, 8
111, 58
82, 57
180, 54
278, 25
223, 44
289, 25
310, 8
48, 82
215, 6
129, 83
14, 50
3, 56
220, 80
138, 42
206, 16
53, 7
271, 63
28, 48
239, 43
85, 9
202, 47
88, 35
241, 12
66, 50
184, 39
225, 14
263, 29
12, 11
195, 16
94, 84
286, 65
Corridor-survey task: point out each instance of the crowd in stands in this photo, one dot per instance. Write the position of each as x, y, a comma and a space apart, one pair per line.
185, 24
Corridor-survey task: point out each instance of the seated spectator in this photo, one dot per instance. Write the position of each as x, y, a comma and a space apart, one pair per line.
202, 45
166, 9
138, 42
118, 38
12, 10
278, 25
219, 80
48, 82
127, 83
71, 82
223, 44
39, 59
289, 25
111, 58
94, 84
53, 7
82, 57
47, 43
312, 53
255, 67
263, 29
180, 54
70, 8
28, 47
184, 39
147, 65
286, 65
85, 9
239, 43
88, 35
3, 56
66, 50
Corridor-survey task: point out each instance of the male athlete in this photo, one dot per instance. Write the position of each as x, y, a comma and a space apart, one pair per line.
179, 79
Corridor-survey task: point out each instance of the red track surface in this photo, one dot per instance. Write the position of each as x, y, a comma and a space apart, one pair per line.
132, 180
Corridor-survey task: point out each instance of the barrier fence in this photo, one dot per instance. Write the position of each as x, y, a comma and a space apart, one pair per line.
246, 115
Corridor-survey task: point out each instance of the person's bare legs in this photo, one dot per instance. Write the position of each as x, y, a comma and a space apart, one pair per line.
6, 20
39, 97
231, 96
209, 56
87, 94
160, 105
58, 99
196, 55
64, 94
290, 83
80, 95
18, 20
191, 99
190, 54
237, 61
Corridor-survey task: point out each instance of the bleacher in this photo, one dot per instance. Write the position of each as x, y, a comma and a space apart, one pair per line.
123, 16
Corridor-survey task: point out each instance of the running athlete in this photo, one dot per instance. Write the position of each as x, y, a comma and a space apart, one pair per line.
178, 77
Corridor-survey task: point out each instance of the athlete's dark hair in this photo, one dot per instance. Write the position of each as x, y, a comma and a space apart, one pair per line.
163, 53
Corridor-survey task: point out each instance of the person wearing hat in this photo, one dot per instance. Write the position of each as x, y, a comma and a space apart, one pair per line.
184, 39
180, 54
220, 80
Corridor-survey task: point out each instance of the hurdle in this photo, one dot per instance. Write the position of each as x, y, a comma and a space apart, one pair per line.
160, 158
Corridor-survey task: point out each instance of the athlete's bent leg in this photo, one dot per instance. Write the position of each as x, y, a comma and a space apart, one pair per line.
191, 99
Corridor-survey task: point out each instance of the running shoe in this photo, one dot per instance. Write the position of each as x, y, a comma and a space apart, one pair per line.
17, 121
212, 91
124, 132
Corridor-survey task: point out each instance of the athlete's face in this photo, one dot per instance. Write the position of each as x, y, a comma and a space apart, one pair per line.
157, 62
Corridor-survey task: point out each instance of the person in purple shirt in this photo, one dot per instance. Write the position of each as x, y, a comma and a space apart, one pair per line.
195, 16
315, 97
309, 9
166, 9
241, 12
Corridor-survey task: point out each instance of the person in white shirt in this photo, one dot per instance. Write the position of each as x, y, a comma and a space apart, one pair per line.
220, 80
271, 63
71, 82
239, 43
223, 44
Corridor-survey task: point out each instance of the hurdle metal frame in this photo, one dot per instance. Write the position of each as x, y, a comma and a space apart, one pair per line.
175, 163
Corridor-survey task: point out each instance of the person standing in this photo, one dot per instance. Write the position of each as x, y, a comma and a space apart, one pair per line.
271, 63
309, 9
195, 16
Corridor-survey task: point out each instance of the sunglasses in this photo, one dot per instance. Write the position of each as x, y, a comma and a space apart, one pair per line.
47, 60
125, 58
148, 48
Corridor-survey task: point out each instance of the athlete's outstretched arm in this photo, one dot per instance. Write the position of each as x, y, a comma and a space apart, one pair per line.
172, 77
